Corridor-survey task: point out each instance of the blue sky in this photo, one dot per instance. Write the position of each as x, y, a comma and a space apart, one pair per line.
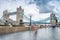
41, 8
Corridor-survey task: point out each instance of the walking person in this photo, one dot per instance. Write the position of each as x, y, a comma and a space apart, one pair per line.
34, 27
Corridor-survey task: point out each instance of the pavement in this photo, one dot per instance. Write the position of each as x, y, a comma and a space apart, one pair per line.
42, 34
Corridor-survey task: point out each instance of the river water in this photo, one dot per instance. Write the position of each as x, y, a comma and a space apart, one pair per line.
42, 34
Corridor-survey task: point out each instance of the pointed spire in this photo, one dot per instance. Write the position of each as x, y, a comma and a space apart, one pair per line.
52, 14
5, 11
20, 8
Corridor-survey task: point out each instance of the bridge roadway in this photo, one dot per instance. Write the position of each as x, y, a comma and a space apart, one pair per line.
42, 34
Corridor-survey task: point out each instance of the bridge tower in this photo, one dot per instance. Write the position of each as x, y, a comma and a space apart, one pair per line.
5, 15
53, 19
19, 14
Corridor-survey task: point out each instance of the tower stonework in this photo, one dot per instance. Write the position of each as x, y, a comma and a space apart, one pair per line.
5, 15
19, 14
52, 20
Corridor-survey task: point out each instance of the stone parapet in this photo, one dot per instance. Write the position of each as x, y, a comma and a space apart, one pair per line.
5, 30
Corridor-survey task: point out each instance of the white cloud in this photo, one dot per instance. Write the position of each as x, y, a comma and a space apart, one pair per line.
56, 5
31, 10
28, 9
13, 17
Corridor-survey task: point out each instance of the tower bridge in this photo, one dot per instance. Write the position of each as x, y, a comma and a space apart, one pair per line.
41, 21
20, 14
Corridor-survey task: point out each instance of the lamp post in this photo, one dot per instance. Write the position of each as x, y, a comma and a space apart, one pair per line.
30, 22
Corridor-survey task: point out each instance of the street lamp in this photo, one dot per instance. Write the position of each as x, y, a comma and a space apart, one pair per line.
30, 15
30, 21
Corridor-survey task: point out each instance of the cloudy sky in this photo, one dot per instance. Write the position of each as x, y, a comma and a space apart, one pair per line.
39, 9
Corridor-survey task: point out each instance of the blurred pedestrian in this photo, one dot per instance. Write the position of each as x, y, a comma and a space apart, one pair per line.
34, 27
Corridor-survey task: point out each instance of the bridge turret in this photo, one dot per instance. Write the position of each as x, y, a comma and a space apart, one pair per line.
19, 14
5, 15
53, 19
52, 16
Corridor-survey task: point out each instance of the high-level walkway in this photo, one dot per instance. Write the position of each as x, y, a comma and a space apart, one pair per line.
42, 34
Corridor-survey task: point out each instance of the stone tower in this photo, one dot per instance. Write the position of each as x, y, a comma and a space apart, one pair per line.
19, 14
53, 19
5, 15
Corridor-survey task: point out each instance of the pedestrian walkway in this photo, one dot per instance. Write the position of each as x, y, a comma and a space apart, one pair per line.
42, 34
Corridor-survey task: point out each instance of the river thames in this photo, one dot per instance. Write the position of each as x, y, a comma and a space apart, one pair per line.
42, 34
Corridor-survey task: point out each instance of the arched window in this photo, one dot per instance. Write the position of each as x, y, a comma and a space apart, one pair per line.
6, 22
21, 22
